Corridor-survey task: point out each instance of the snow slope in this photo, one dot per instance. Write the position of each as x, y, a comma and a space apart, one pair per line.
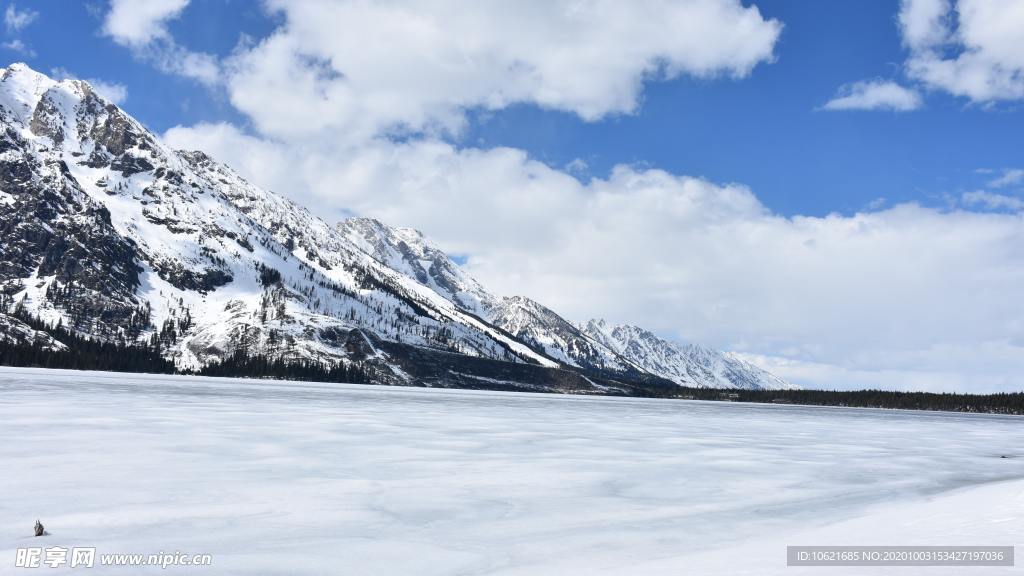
684, 364
407, 251
288, 478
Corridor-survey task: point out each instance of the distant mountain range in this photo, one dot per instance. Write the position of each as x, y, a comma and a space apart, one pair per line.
118, 237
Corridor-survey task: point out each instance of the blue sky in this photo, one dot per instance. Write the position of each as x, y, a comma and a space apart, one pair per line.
834, 190
766, 131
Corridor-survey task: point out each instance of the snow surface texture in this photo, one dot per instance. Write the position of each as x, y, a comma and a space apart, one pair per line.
294, 478
117, 236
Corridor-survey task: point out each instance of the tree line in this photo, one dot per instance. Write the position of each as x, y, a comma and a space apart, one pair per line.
1000, 403
81, 353
244, 365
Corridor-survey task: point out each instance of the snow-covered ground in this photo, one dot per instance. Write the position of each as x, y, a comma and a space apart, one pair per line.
294, 478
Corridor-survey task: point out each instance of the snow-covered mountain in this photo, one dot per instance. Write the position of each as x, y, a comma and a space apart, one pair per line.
594, 346
684, 364
117, 236
409, 252
547, 331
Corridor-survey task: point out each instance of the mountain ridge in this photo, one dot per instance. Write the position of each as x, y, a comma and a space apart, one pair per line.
116, 236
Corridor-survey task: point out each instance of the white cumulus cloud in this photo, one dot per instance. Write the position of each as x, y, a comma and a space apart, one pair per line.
366, 68
971, 48
135, 23
875, 95
924, 23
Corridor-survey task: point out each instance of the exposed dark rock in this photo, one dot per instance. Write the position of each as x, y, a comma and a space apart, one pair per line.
129, 165
114, 131
184, 278
52, 228
46, 121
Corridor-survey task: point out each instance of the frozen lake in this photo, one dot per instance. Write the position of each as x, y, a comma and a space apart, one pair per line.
295, 478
